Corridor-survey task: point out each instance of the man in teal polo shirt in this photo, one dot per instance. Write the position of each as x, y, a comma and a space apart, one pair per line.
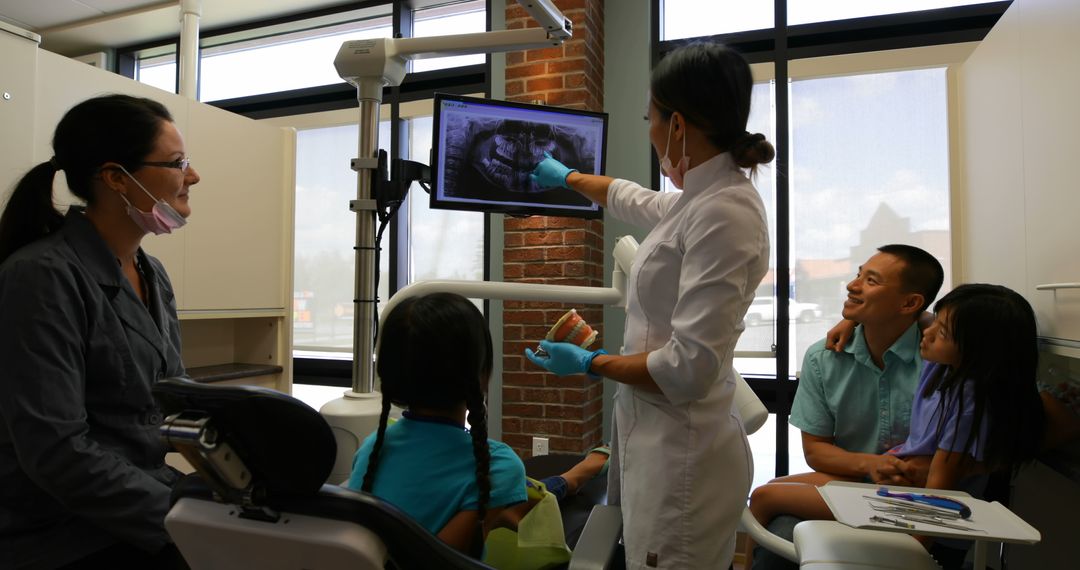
854, 403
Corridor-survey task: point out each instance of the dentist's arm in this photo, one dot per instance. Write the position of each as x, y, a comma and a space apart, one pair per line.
632, 370
551, 173
564, 358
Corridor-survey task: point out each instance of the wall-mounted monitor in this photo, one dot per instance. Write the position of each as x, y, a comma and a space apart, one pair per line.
483, 151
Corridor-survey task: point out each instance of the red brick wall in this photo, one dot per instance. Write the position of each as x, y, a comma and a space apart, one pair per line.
562, 251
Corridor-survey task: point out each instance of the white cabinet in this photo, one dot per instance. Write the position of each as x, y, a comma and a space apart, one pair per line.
236, 247
17, 102
231, 265
1050, 75
1018, 125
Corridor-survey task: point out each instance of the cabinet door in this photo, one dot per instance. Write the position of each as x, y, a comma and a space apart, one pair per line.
17, 103
991, 204
235, 236
1051, 117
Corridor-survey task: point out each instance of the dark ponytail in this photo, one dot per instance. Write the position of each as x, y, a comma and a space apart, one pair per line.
711, 85
454, 369
29, 214
110, 128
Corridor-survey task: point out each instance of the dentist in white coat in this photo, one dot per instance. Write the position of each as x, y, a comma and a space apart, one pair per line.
681, 465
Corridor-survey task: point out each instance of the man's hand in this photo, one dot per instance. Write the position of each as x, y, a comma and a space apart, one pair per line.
910, 472
887, 469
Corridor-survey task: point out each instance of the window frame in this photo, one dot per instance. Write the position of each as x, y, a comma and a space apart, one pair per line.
781, 46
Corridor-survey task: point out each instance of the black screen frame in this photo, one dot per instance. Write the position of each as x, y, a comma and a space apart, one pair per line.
497, 208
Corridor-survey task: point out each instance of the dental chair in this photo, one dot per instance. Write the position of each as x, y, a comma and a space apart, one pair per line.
258, 499
827, 545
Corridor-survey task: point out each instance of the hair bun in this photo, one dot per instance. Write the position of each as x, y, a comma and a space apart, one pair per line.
750, 150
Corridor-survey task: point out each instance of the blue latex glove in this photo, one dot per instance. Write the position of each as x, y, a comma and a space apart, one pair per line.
551, 173
564, 358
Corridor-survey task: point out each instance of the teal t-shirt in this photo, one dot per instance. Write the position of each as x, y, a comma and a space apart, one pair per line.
846, 397
426, 468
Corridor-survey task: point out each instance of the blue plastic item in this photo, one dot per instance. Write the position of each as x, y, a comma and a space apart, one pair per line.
934, 500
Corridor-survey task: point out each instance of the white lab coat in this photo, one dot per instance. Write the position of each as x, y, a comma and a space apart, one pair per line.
681, 465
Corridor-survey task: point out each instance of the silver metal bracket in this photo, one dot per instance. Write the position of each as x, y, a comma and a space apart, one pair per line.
368, 204
358, 164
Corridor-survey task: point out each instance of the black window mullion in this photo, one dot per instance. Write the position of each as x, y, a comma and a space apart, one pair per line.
783, 235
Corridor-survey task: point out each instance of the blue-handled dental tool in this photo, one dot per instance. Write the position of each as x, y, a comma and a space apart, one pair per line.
934, 500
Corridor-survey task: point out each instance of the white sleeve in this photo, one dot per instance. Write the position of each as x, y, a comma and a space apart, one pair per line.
637, 205
726, 251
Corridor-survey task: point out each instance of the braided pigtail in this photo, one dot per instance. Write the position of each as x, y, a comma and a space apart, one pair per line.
482, 454
373, 459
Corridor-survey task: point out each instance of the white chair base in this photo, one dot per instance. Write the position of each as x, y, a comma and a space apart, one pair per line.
829, 545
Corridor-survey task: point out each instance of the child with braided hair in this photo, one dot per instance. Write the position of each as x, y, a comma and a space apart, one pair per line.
434, 360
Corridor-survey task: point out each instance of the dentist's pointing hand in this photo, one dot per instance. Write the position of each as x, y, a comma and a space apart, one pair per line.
550, 173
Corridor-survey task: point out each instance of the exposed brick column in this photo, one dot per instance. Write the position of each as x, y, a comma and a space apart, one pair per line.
562, 251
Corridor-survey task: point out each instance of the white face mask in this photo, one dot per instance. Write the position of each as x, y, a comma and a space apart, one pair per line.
161, 219
674, 173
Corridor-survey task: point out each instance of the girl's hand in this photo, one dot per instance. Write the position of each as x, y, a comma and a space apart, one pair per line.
838, 336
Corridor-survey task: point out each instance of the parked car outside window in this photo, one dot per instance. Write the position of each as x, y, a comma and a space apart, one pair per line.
763, 309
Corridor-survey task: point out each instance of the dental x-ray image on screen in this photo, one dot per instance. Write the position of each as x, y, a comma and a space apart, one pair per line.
485, 150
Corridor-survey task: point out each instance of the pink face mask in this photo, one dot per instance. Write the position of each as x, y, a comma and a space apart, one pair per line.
161, 219
676, 173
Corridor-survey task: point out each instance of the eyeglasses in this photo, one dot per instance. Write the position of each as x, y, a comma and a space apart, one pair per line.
179, 164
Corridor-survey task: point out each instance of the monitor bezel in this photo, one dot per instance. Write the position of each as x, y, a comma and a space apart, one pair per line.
495, 208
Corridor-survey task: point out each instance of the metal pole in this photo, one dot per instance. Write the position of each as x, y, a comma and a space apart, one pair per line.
369, 95
190, 11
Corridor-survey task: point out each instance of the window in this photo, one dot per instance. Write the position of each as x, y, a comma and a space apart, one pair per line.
270, 63
763, 443
854, 189
445, 244
300, 53
157, 67
807, 11
692, 18
461, 18
323, 272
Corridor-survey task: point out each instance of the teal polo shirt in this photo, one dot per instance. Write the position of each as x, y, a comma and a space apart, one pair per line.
426, 468
843, 395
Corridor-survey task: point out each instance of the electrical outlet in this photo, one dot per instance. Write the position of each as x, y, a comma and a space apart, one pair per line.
539, 446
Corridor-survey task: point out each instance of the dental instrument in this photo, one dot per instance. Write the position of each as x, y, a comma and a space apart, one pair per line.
894, 522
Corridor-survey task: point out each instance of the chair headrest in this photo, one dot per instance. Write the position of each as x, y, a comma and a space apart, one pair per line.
751, 410
287, 445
